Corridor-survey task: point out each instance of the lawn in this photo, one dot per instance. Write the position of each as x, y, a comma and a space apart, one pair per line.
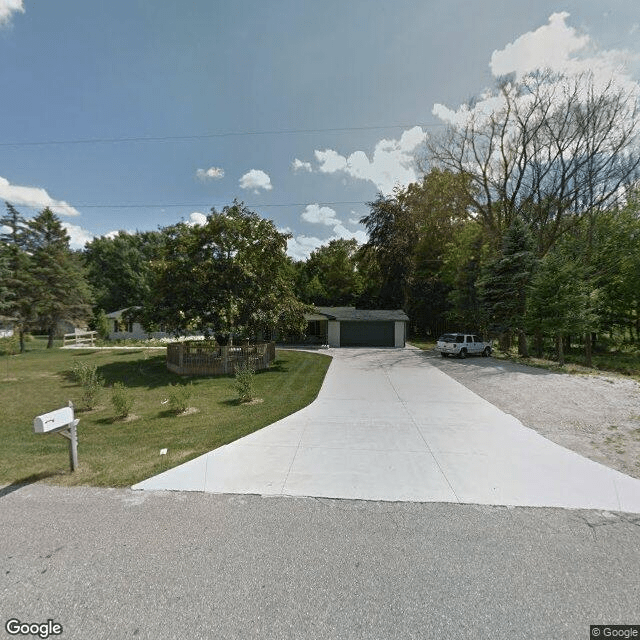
116, 452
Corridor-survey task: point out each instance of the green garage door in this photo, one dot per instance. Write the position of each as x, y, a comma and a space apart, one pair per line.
367, 334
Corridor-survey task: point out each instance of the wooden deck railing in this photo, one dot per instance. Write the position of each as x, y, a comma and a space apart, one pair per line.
206, 357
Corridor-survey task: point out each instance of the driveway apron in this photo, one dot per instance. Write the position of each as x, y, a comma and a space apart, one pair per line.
387, 425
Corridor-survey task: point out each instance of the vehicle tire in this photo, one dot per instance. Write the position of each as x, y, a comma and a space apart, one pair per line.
462, 354
444, 355
487, 352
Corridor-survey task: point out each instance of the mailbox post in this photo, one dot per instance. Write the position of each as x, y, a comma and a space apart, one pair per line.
61, 421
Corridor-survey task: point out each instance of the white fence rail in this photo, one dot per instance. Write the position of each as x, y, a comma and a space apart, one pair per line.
79, 337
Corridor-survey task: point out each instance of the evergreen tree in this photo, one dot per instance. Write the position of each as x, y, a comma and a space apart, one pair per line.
61, 291
18, 281
505, 282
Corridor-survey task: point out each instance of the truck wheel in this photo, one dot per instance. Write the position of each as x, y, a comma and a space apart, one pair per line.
463, 353
444, 355
487, 352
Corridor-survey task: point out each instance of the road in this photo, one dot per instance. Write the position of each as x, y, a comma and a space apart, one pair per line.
112, 564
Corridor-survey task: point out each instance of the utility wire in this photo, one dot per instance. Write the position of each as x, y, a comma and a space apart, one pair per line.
204, 136
209, 205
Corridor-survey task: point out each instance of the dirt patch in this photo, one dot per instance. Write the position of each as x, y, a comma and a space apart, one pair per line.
597, 416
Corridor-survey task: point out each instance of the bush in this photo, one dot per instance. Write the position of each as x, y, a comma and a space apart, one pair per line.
179, 397
244, 381
86, 375
121, 400
9, 346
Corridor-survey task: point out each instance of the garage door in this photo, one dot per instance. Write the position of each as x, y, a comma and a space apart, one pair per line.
367, 334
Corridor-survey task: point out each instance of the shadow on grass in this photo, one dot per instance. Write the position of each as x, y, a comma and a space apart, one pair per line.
25, 482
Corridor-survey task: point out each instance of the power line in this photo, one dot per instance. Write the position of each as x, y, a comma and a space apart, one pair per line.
204, 136
209, 205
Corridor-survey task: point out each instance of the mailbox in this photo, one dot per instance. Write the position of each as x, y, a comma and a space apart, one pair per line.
61, 422
54, 420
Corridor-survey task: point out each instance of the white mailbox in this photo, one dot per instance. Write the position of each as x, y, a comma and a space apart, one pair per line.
53, 420
61, 421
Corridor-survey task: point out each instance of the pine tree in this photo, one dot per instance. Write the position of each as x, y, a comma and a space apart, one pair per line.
61, 291
505, 282
18, 280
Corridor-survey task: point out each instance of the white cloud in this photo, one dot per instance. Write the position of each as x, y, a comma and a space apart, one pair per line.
392, 163
556, 47
256, 180
78, 236
300, 247
197, 219
34, 197
115, 232
315, 214
299, 165
8, 7
212, 173
551, 46
354, 221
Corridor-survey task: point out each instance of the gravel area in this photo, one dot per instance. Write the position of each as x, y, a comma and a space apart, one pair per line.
598, 416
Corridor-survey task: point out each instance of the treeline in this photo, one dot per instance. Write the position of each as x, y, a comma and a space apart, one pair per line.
525, 226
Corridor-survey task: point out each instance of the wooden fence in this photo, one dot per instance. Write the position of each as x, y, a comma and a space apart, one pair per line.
80, 337
206, 357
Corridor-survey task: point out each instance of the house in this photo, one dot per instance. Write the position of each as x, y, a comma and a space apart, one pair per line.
121, 327
351, 327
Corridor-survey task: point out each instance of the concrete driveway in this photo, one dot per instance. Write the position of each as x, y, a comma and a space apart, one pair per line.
387, 425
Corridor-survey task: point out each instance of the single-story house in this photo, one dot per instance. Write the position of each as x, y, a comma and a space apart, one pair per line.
122, 328
351, 327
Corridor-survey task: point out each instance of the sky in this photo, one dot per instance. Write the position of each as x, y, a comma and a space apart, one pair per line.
136, 114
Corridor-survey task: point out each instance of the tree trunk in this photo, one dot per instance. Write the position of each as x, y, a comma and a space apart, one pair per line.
505, 342
523, 345
587, 349
21, 337
50, 340
560, 350
538, 344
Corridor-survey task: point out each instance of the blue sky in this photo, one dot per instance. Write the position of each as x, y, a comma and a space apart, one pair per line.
144, 100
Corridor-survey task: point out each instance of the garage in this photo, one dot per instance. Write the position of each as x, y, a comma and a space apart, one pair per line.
367, 334
351, 327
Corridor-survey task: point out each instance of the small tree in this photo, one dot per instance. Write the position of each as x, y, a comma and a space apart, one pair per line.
121, 400
244, 381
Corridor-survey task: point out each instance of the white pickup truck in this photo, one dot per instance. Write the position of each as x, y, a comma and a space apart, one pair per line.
462, 345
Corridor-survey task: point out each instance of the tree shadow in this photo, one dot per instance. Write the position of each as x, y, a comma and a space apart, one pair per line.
25, 482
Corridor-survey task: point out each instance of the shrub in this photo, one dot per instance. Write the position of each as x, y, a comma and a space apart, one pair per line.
244, 381
9, 346
179, 397
121, 399
86, 375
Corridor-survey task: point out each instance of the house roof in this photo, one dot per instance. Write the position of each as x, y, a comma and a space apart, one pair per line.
360, 315
116, 315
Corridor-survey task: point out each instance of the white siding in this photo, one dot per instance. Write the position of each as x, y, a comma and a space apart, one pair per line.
333, 334
399, 333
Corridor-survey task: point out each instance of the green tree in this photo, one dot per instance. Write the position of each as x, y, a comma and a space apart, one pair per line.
19, 281
61, 291
504, 284
229, 275
557, 305
331, 274
119, 268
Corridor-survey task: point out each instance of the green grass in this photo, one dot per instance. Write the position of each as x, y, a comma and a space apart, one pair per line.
116, 452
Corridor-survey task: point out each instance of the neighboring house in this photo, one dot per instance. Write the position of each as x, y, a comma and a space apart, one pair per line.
121, 328
351, 327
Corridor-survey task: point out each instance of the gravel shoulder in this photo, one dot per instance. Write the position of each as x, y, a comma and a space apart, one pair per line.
596, 416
